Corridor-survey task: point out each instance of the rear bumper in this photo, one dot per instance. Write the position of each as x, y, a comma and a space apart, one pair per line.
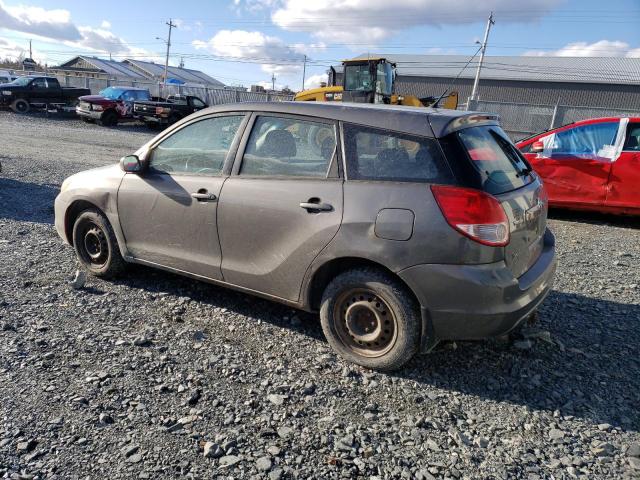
469, 302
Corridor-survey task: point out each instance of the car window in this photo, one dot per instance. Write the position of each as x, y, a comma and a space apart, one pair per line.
285, 146
374, 154
178, 100
197, 149
595, 141
632, 143
128, 95
142, 95
39, 83
495, 158
197, 103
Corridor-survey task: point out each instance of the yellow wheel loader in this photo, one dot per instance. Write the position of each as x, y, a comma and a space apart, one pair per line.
371, 81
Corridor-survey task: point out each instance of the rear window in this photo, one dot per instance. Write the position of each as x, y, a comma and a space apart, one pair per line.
499, 164
374, 154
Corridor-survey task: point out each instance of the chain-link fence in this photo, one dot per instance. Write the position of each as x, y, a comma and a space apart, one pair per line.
212, 96
520, 120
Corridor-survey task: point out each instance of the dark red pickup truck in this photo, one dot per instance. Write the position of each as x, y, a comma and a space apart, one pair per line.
112, 105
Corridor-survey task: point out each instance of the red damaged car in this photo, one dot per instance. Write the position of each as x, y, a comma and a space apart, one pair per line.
589, 165
112, 105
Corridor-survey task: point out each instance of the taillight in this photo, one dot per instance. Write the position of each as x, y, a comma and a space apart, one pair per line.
473, 213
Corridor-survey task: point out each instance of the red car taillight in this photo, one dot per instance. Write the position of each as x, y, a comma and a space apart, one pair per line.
473, 213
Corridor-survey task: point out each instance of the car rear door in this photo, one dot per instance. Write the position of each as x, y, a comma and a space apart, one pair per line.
575, 163
624, 181
282, 205
168, 213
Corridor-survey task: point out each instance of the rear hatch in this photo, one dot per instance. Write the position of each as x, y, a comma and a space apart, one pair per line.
495, 166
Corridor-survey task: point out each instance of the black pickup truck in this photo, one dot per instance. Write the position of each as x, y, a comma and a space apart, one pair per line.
168, 112
39, 92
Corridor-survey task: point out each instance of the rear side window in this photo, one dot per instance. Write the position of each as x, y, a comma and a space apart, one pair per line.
495, 158
374, 154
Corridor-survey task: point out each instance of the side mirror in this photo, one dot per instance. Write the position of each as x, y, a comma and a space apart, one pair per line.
537, 147
131, 164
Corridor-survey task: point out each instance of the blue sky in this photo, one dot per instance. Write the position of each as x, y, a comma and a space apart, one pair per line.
248, 41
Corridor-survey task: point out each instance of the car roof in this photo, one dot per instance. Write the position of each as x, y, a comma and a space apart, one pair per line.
413, 120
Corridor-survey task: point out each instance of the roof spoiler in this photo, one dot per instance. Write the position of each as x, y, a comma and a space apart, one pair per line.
472, 120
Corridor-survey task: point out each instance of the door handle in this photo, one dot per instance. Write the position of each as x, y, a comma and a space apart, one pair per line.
316, 207
203, 196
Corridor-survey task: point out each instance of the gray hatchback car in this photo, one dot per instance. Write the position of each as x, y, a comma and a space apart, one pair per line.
401, 226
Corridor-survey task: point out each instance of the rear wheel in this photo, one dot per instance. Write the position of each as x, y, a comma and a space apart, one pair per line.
174, 118
109, 118
20, 106
371, 319
96, 245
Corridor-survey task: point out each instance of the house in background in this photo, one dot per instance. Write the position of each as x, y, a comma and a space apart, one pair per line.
97, 71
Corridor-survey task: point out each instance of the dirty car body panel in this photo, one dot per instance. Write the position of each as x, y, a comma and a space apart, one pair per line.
280, 235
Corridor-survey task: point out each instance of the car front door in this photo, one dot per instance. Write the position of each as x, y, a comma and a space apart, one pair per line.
282, 205
576, 162
168, 213
39, 91
624, 182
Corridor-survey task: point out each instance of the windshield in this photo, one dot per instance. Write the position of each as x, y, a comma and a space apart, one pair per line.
357, 78
492, 154
22, 81
112, 93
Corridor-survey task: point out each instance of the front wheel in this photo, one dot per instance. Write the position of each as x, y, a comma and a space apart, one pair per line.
371, 319
96, 245
20, 106
109, 119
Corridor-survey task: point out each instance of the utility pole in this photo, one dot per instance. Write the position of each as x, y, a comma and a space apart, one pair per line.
166, 61
483, 48
30, 51
273, 81
304, 70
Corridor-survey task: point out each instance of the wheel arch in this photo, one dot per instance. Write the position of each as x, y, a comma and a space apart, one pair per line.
72, 213
322, 275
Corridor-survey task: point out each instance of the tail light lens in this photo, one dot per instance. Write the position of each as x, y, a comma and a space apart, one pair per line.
473, 213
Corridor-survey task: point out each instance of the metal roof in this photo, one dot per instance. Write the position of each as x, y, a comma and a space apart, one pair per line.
610, 70
187, 75
111, 67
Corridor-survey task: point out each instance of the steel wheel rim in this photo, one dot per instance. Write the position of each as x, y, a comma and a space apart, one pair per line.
94, 246
364, 322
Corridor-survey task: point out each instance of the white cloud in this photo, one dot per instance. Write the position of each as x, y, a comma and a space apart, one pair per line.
602, 48
314, 81
273, 54
372, 21
54, 24
57, 25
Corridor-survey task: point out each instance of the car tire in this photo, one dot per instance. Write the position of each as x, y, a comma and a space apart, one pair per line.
87, 120
109, 119
96, 245
370, 318
20, 106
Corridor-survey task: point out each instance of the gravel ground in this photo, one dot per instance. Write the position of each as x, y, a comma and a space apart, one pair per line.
157, 376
